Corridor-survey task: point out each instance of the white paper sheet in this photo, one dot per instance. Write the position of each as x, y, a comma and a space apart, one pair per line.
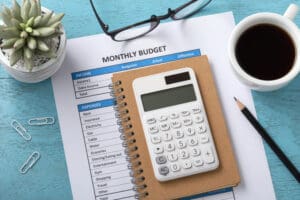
96, 163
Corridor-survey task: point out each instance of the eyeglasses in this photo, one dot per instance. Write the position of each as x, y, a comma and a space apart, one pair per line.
131, 32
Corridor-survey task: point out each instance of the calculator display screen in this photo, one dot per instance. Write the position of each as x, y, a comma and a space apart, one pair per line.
168, 97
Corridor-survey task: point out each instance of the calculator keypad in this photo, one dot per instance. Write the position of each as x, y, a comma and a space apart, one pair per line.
181, 144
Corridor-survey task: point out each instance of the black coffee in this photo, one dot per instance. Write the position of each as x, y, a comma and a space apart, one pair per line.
265, 52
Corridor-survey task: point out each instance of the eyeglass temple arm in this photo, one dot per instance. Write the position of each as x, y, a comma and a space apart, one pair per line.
102, 24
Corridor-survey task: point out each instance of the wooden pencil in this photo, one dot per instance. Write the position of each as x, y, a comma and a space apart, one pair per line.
286, 161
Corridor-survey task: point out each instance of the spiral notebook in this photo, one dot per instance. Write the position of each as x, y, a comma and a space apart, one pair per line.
226, 175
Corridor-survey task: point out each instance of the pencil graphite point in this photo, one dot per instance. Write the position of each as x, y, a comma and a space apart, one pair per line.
240, 105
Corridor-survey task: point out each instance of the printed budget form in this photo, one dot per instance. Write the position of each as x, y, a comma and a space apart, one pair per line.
96, 159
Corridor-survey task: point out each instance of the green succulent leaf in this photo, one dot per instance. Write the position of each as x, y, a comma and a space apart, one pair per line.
29, 23
16, 23
28, 63
19, 43
55, 18
36, 21
9, 43
33, 9
55, 25
45, 18
54, 35
16, 10
39, 7
25, 10
31, 43
28, 29
41, 45
28, 53
49, 54
24, 34
35, 33
5, 16
10, 32
15, 56
46, 31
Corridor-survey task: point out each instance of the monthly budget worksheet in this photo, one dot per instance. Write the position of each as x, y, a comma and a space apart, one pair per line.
97, 164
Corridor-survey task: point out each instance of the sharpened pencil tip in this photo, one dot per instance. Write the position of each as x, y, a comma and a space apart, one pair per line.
240, 105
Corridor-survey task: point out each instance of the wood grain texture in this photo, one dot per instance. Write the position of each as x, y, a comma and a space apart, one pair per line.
278, 111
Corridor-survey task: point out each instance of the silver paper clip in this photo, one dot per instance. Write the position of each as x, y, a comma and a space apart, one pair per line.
21, 130
40, 121
30, 162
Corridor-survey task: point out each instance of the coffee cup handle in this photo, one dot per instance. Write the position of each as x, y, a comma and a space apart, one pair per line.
291, 11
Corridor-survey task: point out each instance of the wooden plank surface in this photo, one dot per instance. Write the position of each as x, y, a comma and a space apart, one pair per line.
278, 111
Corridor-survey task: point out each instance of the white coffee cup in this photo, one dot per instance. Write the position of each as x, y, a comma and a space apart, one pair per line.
285, 22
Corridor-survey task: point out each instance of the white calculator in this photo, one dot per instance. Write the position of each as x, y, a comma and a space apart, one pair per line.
175, 124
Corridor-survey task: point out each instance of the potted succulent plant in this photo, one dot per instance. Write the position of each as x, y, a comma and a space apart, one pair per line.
32, 41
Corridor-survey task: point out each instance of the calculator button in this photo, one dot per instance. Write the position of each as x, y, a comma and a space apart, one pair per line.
163, 118
172, 157
187, 122
185, 113
167, 136
164, 170
170, 147
175, 167
176, 124
208, 155
190, 131
155, 139
158, 149
195, 152
174, 116
161, 160
204, 138
187, 164
164, 127
181, 144
183, 154
151, 121
192, 141
178, 134
198, 162
196, 110
201, 128
153, 129
198, 119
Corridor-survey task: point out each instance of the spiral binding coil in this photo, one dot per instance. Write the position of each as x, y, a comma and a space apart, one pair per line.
129, 142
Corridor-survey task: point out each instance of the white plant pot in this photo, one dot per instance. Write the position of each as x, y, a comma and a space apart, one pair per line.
42, 71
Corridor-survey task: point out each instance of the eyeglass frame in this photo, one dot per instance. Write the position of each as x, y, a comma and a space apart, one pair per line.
154, 20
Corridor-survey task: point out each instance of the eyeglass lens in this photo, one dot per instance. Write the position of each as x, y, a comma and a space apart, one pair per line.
135, 31
191, 9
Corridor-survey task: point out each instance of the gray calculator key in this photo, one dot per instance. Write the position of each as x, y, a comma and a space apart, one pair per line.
161, 160
164, 170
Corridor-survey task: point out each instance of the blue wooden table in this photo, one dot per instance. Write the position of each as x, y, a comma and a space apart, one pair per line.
278, 111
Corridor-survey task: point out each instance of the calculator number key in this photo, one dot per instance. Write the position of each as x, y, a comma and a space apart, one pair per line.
167, 136
170, 147
183, 154
181, 144
178, 134
175, 167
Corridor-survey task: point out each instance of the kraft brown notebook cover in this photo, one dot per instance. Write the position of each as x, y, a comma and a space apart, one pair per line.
226, 175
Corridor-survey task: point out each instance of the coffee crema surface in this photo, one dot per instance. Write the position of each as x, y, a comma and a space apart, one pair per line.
265, 52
